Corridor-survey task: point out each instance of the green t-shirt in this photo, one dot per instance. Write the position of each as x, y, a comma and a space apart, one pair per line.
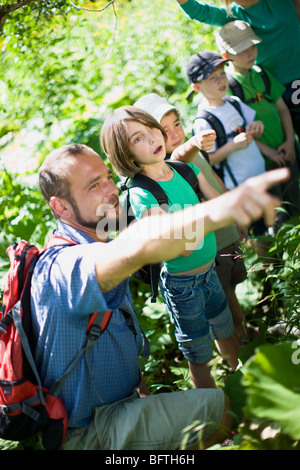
274, 21
266, 111
180, 194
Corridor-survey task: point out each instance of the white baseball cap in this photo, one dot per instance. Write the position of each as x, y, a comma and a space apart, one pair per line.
154, 105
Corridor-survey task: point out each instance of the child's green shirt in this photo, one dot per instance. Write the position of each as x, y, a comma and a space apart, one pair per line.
266, 111
274, 21
180, 194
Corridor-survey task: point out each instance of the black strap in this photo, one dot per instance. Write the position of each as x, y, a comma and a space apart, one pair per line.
150, 185
90, 340
188, 174
221, 136
237, 89
156, 190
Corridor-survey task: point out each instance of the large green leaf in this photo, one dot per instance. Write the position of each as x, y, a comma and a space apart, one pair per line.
272, 382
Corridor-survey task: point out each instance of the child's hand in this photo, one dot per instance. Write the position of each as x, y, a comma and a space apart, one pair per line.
277, 157
241, 141
205, 140
255, 128
287, 151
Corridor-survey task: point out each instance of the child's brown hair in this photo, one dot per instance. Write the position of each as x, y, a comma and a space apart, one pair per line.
114, 138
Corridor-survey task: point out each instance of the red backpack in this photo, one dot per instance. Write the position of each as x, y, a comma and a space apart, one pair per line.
26, 407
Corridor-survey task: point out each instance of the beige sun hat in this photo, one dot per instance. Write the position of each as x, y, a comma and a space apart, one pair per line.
236, 37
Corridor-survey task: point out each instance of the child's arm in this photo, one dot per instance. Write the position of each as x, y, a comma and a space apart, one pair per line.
207, 190
255, 128
288, 147
220, 182
271, 153
203, 140
239, 142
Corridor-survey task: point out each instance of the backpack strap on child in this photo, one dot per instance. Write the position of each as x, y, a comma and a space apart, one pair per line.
188, 174
237, 89
221, 136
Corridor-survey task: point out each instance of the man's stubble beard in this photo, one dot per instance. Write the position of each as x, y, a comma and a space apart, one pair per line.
80, 220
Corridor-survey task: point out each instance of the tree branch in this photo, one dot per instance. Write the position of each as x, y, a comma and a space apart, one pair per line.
93, 10
6, 9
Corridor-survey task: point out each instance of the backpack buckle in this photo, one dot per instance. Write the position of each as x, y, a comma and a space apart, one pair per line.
258, 97
5, 322
4, 410
94, 332
238, 130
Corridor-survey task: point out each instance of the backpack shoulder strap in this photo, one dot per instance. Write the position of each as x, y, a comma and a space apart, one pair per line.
235, 87
236, 105
97, 324
265, 78
188, 174
155, 189
221, 138
215, 124
150, 185
238, 108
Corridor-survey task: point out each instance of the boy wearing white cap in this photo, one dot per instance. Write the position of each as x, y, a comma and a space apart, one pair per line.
162, 110
259, 89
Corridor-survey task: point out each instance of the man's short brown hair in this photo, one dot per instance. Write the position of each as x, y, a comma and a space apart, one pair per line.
53, 174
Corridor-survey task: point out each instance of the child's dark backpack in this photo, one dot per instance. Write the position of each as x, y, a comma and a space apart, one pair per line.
221, 136
150, 273
237, 89
26, 407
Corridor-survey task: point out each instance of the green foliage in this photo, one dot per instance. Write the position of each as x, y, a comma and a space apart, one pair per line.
273, 387
80, 65
285, 276
266, 394
23, 214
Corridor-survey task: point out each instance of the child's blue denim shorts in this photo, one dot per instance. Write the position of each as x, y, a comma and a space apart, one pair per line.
198, 308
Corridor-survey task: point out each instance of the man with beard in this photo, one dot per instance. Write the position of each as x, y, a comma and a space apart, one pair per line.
109, 406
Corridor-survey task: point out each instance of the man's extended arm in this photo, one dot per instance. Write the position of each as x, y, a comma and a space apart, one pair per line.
163, 237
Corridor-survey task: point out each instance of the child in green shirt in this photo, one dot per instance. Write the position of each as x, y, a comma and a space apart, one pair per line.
136, 143
276, 22
229, 263
259, 89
